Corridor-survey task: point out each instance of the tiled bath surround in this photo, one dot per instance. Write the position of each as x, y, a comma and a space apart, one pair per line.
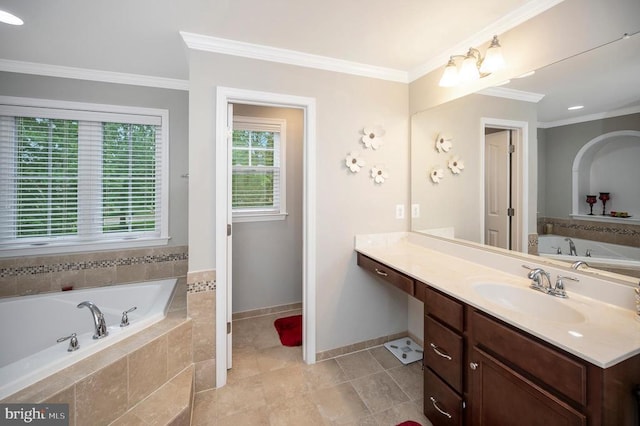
625, 234
38, 274
136, 378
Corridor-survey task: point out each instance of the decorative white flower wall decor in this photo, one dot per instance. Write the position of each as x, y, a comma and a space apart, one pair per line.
373, 137
456, 165
443, 142
354, 162
379, 174
436, 174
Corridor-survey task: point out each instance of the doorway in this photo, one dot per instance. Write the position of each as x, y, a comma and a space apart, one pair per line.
225, 98
504, 196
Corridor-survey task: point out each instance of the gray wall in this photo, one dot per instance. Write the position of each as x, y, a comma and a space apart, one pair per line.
351, 306
176, 101
267, 256
561, 146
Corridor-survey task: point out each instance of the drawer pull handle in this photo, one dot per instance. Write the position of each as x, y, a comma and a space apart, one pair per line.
381, 272
436, 349
440, 410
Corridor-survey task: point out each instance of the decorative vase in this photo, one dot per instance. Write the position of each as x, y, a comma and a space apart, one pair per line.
591, 200
604, 197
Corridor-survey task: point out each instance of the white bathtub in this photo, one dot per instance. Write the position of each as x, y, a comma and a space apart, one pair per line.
30, 326
602, 254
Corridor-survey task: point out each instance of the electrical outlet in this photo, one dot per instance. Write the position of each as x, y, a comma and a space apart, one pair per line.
415, 210
399, 211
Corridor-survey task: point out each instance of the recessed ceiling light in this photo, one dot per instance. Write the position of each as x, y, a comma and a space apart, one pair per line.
9, 18
572, 108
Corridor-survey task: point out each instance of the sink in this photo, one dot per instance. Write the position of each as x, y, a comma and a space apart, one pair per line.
529, 302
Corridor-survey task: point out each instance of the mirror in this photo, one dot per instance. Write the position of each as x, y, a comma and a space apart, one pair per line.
600, 141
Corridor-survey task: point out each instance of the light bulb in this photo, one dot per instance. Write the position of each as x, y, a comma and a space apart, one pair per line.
493, 60
450, 76
469, 69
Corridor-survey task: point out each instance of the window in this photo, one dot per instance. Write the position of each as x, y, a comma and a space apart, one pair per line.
81, 176
258, 172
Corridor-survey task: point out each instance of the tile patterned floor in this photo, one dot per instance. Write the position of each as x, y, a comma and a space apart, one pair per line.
270, 385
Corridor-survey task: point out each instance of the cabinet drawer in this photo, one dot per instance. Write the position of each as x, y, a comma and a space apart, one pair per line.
390, 275
542, 363
443, 352
444, 308
442, 406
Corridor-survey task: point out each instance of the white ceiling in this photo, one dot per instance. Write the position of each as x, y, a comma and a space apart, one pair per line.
142, 36
604, 79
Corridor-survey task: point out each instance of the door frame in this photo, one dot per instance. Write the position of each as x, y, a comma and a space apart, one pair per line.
224, 96
520, 138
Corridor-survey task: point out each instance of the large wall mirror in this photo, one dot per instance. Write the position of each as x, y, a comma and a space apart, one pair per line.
511, 166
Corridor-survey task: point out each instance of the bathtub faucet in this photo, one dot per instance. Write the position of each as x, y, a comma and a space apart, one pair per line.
98, 319
572, 247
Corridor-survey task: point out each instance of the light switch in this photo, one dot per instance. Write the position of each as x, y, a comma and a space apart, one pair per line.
399, 211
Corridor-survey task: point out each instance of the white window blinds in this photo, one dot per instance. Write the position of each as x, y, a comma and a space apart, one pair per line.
80, 176
258, 185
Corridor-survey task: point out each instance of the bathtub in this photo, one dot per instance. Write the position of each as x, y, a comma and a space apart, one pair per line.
603, 255
30, 326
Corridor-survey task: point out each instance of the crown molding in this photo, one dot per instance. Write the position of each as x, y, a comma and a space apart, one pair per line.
49, 70
590, 117
291, 57
519, 95
502, 25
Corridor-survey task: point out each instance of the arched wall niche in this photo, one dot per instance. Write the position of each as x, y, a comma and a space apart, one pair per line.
608, 163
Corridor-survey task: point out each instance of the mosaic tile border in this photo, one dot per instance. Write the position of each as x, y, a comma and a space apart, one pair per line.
200, 286
91, 264
621, 233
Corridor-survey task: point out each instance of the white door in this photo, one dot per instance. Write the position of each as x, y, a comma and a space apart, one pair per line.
497, 189
229, 234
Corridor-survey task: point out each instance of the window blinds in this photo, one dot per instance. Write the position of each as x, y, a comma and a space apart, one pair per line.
75, 176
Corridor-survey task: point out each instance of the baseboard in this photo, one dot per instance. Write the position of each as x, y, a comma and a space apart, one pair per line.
332, 353
266, 311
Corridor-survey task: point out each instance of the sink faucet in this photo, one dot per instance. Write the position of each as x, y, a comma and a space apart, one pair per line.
572, 247
541, 280
98, 319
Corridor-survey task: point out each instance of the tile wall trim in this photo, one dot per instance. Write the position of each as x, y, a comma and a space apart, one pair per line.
91, 264
200, 281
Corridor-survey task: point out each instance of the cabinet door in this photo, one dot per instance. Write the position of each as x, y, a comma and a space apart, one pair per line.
500, 396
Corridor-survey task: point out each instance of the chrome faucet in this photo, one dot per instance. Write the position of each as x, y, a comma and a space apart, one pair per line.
541, 280
572, 247
578, 264
98, 319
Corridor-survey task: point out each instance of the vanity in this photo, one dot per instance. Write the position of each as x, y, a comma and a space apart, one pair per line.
497, 352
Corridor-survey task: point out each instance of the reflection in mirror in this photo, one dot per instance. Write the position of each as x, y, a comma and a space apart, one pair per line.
560, 157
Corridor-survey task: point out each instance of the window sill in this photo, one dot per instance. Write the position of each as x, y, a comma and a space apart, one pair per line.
80, 247
259, 217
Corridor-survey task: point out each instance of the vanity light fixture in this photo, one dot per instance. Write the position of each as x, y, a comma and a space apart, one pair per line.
10, 18
575, 107
474, 65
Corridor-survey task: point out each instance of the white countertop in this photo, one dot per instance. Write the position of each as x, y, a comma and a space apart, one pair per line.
608, 335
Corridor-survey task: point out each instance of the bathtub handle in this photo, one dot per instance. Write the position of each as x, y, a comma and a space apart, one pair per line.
73, 343
125, 317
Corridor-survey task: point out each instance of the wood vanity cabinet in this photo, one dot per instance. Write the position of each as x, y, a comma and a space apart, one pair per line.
388, 274
444, 358
479, 370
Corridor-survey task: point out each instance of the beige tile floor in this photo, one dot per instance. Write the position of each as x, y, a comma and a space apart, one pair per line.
269, 384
